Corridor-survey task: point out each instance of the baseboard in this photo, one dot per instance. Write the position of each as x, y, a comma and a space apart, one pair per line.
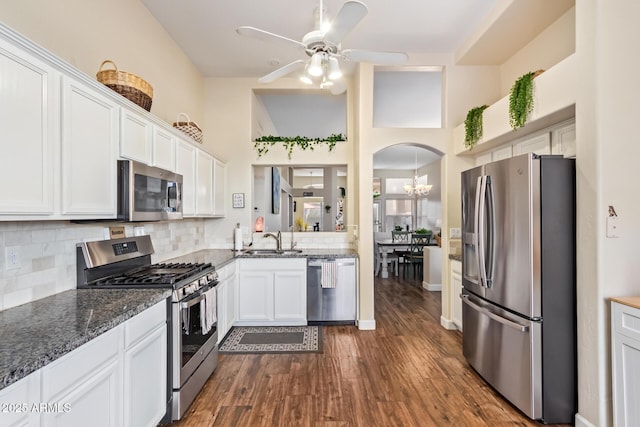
580, 421
432, 286
447, 324
366, 325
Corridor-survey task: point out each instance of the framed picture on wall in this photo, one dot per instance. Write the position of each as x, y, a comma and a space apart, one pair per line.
275, 190
238, 200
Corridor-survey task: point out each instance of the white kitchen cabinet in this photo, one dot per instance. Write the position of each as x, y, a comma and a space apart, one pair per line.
221, 307
145, 367
455, 279
564, 139
540, 144
502, 153
226, 298
219, 188
204, 184
89, 380
186, 166
484, 158
290, 296
17, 402
29, 96
272, 291
136, 133
88, 152
163, 153
231, 311
117, 379
625, 361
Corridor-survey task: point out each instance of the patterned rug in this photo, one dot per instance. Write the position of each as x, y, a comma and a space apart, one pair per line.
273, 339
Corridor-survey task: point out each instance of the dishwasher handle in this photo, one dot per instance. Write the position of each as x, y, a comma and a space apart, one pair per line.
317, 262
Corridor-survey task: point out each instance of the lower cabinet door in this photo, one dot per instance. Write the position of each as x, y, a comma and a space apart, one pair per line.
95, 398
145, 380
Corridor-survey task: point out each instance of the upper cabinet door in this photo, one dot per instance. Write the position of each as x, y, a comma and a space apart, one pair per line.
204, 184
89, 153
540, 144
28, 94
164, 149
219, 187
135, 139
186, 166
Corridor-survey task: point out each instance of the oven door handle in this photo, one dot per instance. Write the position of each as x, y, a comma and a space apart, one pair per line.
196, 298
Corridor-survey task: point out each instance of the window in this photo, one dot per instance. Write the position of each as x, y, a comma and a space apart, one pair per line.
398, 213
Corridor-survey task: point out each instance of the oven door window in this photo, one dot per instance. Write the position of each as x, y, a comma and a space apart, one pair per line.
155, 195
192, 337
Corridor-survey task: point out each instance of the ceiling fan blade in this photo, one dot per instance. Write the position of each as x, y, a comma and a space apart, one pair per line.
266, 35
282, 71
375, 57
347, 18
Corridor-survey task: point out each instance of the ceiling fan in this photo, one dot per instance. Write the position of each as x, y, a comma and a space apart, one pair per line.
323, 46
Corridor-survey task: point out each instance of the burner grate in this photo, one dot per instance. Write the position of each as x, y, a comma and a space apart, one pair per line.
155, 274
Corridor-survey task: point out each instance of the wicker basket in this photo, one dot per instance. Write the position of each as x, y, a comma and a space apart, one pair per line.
132, 87
188, 127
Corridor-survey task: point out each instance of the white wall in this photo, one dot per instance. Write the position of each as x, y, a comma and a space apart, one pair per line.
607, 163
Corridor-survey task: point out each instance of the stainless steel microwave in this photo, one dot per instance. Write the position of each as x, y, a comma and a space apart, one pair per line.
147, 193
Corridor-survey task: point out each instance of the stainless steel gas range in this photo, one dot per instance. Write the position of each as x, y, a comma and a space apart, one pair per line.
192, 320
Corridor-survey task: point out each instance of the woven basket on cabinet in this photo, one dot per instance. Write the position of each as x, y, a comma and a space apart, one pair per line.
188, 127
132, 87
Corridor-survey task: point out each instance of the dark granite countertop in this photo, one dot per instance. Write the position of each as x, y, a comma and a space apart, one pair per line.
221, 257
35, 334
455, 257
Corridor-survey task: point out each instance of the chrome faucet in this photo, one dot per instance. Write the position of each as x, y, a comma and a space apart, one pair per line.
278, 238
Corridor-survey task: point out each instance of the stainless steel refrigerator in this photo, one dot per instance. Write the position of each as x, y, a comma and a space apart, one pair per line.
519, 282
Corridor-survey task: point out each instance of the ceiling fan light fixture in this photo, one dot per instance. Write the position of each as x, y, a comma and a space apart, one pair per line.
305, 78
315, 67
334, 69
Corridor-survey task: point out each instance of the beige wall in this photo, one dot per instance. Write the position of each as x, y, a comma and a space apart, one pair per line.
551, 46
85, 33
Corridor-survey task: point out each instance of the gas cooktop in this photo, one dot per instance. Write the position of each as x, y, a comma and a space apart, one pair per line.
155, 274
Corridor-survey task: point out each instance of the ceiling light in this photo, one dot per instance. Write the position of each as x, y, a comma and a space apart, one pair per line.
416, 188
315, 67
305, 78
334, 69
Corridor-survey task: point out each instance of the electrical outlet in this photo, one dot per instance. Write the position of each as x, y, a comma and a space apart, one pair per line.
12, 259
613, 227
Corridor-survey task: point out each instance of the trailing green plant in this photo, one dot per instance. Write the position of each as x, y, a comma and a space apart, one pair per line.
521, 99
473, 126
264, 143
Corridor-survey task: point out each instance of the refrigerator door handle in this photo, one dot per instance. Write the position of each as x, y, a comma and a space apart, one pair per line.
491, 233
500, 319
481, 197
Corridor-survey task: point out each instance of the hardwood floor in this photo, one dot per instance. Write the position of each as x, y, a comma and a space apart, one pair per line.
408, 372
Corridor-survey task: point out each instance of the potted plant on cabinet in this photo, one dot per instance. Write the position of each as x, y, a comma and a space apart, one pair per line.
521, 99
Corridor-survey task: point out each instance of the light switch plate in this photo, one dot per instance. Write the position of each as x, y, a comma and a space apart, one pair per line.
613, 227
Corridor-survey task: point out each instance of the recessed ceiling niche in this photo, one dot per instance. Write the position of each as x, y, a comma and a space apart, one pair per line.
299, 113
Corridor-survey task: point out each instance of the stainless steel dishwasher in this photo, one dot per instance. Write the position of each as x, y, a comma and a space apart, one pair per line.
331, 305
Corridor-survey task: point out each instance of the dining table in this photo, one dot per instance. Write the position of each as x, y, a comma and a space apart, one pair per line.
386, 247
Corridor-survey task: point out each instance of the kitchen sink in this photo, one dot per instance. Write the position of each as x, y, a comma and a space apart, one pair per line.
272, 251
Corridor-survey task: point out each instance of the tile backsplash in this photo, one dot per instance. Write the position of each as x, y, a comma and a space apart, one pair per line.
37, 259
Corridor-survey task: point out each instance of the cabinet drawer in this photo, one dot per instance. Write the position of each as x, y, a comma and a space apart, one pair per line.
80, 363
144, 323
626, 320
273, 264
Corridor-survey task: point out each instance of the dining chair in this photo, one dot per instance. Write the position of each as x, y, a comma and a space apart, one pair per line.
415, 255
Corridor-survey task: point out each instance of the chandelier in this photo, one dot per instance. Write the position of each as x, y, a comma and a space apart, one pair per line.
416, 188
